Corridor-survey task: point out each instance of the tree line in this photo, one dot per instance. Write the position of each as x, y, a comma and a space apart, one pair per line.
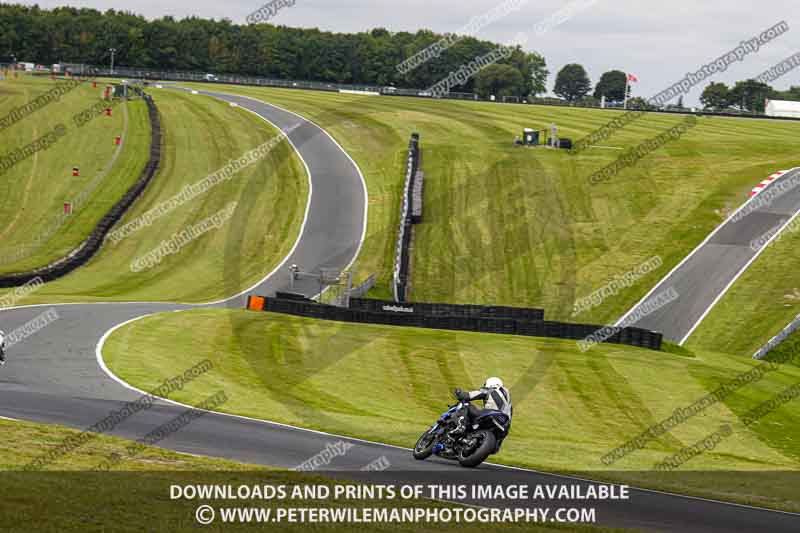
748, 95
72, 35
573, 84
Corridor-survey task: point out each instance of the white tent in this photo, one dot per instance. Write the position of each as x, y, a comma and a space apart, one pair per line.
783, 108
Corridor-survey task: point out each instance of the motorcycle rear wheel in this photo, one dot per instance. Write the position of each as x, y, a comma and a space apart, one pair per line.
479, 454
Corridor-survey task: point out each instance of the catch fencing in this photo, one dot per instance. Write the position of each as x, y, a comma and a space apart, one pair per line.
501, 325
92, 244
402, 260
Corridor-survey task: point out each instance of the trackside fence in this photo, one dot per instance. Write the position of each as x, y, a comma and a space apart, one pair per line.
452, 310
91, 245
508, 326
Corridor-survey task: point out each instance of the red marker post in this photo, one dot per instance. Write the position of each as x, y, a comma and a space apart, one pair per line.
117, 140
67, 208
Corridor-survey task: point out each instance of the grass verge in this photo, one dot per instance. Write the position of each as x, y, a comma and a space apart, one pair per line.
200, 136
138, 497
759, 305
34, 191
571, 408
517, 226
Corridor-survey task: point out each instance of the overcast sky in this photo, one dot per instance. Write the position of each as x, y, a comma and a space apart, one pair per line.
658, 40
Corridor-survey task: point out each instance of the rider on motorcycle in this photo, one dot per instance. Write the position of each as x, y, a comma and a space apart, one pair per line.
495, 398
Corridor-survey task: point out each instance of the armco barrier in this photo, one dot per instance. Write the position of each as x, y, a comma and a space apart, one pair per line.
509, 326
453, 310
402, 260
416, 197
91, 245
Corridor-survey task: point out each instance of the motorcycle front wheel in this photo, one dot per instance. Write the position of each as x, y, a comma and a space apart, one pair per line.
424, 447
477, 453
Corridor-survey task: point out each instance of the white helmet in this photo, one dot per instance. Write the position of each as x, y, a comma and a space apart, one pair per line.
493, 383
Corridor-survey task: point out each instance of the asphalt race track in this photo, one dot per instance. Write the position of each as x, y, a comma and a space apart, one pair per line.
704, 276
55, 376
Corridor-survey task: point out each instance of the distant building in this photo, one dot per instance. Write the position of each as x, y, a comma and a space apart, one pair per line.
783, 108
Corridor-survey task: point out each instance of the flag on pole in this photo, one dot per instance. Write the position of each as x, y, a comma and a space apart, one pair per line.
628, 80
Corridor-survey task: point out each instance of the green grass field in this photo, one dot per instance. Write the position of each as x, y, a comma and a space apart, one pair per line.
518, 226
502, 225
570, 408
77, 499
200, 135
33, 192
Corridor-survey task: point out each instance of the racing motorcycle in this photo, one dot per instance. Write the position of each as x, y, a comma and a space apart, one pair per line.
481, 439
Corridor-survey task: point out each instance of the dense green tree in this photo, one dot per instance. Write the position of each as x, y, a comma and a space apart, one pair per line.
500, 80
612, 85
750, 95
716, 96
572, 82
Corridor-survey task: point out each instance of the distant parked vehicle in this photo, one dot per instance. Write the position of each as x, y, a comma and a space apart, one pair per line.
210, 77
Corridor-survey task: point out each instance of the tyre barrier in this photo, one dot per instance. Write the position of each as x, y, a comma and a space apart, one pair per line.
402, 259
453, 310
508, 326
81, 255
292, 296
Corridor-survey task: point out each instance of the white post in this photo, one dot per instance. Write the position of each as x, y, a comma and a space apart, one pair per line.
627, 85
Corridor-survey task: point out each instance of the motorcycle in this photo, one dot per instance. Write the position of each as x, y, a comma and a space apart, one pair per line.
481, 439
